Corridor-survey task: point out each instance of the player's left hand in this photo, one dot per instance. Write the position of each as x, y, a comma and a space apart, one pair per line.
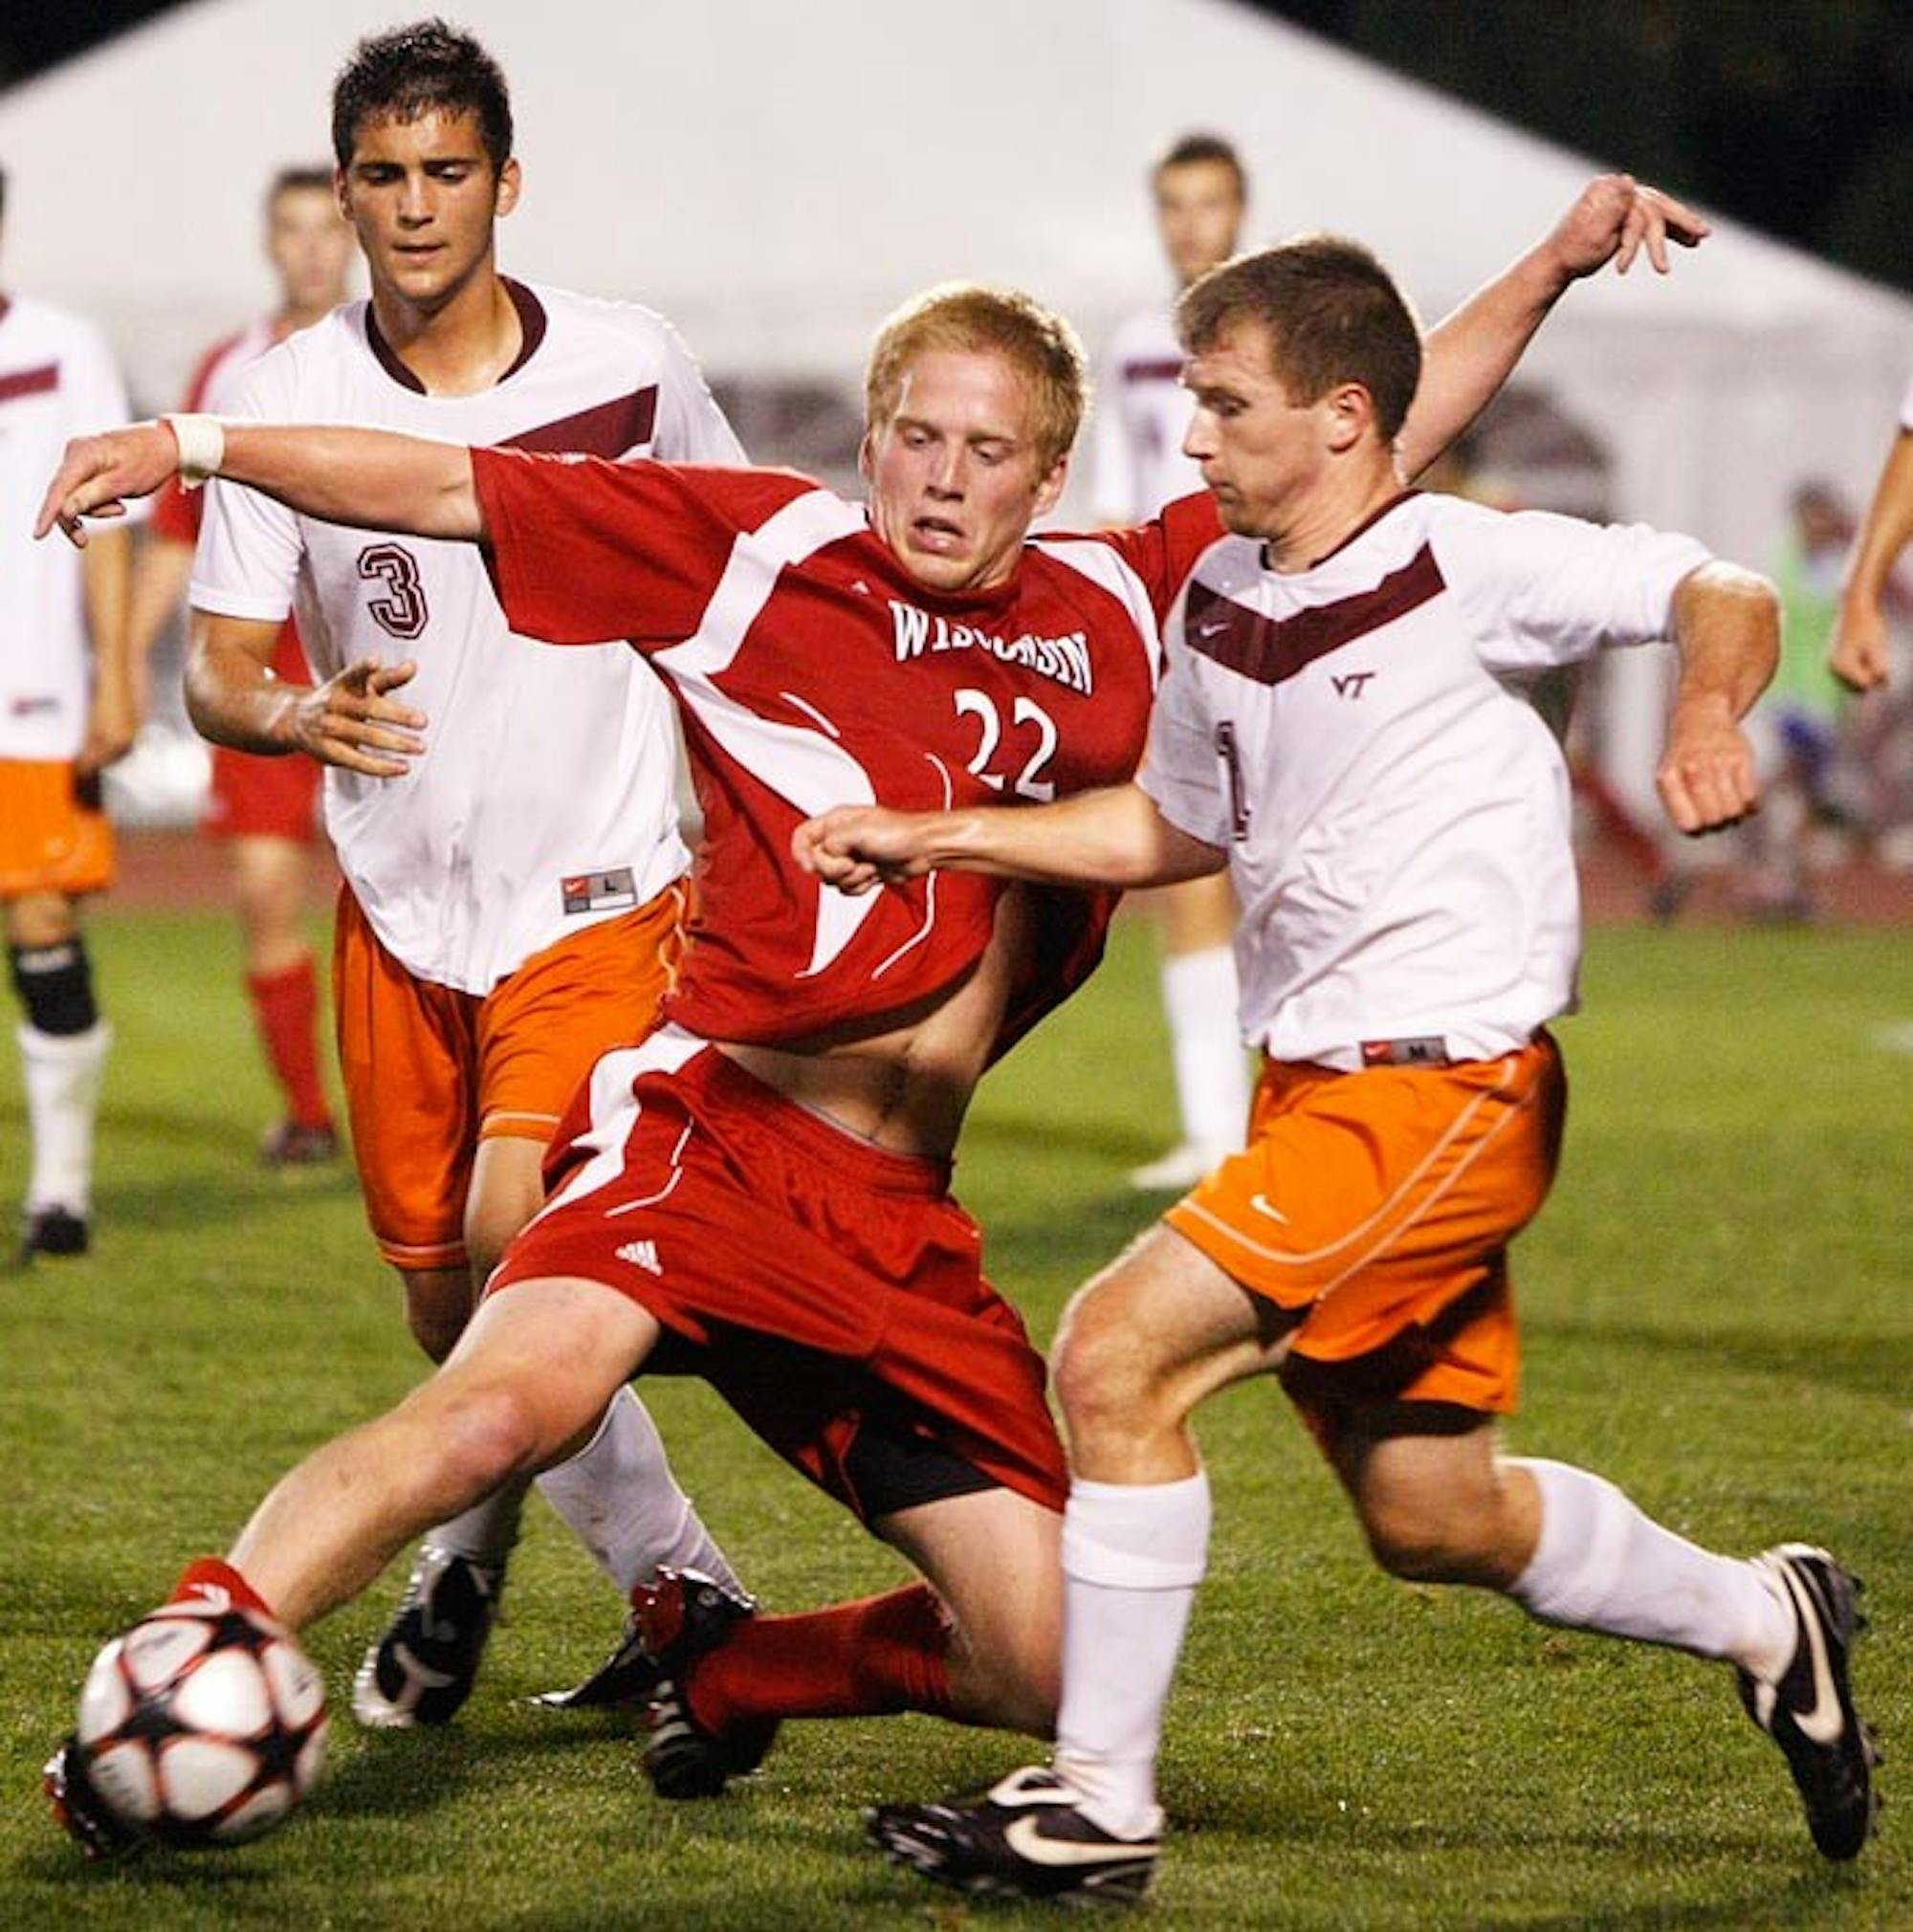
856, 847
97, 473
1616, 218
1707, 778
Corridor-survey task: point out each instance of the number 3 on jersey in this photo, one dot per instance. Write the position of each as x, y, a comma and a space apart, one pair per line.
401, 608
1028, 782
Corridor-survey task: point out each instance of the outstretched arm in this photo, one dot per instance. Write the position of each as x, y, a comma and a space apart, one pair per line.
370, 479
1114, 836
1860, 656
1471, 353
1727, 626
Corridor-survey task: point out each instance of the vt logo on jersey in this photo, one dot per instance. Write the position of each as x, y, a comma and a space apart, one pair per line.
1064, 659
1273, 650
1349, 683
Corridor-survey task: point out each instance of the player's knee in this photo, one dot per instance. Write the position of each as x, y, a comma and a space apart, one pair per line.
483, 1433
55, 984
1105, 1377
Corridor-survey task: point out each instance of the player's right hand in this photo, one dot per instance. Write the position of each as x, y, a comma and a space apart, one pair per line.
855, 847
97, 473
350, 722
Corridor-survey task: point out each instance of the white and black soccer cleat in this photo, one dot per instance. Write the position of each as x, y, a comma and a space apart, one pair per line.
1026, 1837
423, 1669
629, 1676
1809, 1709
80, 1811
684, 1617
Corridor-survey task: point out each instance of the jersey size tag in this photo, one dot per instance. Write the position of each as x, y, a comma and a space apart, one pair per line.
599, 891
1430, 1050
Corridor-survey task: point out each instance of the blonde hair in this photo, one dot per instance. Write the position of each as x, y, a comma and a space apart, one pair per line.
966, 317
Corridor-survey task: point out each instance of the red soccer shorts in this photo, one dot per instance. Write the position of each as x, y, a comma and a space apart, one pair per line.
430, 1071
830, 1292
52, 838
255, 798
1381, 1203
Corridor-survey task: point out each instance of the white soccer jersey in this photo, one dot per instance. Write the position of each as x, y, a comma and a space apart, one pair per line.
1364, 740
57, 380
1142, 415
544, 801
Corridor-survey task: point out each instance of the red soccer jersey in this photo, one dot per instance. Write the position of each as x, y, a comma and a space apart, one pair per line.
811, 669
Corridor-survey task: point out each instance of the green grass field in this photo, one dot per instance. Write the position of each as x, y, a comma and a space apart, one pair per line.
1716, 1315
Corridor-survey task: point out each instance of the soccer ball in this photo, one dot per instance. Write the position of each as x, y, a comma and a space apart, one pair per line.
203, 1725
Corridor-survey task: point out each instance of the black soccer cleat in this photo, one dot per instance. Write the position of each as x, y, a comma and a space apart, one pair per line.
684, 1617
423, 1669
54, 1230
297, 1143
1809, 1710
1026, 1837
78, 1809
629, 1676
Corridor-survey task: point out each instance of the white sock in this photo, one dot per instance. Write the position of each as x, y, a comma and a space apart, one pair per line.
624, 1505
1132, 1558
1212, 1081
1601, 1564
486, 1531
62, 1073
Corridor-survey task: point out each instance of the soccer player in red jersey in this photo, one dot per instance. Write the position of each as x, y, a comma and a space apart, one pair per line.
265, 810
757, 1192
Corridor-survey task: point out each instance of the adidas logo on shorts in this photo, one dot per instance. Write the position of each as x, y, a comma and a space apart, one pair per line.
641, 1255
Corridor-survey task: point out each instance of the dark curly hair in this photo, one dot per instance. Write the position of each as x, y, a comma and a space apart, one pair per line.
426, 66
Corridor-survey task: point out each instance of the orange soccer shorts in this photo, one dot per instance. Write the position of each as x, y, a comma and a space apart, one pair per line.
53, 836
430, 1071
1379, 1206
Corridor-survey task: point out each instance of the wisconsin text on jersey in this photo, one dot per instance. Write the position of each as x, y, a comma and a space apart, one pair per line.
1064, 659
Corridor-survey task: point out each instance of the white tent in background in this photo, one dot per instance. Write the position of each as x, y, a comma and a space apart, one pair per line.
775, 176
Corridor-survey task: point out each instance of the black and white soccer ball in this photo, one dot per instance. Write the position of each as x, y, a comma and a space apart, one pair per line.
203, 1725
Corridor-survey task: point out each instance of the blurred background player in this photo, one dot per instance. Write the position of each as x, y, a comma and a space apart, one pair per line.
1142, 415
266, 809
512, 898
1802, 711
1860, 653
66, 713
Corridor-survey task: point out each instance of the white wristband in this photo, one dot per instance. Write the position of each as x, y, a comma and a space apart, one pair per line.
202, 447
